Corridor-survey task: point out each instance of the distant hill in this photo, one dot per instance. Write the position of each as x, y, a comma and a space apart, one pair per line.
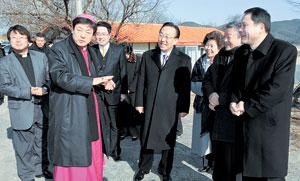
193, 24
288, 30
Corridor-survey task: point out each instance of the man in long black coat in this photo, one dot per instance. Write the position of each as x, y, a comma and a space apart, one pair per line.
216, 89
163, 91
73, 124
263, 79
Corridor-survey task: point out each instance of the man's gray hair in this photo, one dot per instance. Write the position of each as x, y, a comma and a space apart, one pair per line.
235, 25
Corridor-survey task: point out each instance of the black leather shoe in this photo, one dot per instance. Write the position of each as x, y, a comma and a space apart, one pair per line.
206, 168
140, 175
134, 138
116, 158
166, 177
160, 171
46, 174
122, 137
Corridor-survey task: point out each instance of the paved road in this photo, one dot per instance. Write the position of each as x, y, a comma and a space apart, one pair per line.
185, 166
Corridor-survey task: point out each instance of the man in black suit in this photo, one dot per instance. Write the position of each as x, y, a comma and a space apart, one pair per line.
163, 89
40, 44
113, 62
262, 83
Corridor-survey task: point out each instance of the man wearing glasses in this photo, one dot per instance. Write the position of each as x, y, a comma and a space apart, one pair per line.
24, 79
163, 93
113, 62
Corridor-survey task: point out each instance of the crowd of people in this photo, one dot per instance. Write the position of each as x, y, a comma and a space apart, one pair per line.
71, 104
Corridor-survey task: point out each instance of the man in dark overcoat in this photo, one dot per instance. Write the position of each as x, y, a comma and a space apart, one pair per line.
73, 107
216, 90
263, 80
163, 92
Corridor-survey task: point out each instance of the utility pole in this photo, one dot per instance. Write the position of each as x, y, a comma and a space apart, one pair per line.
78, 7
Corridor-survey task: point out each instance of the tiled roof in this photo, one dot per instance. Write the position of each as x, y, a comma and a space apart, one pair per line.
148, 33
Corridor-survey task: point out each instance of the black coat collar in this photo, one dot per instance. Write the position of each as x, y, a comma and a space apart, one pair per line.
171, 60
265, 45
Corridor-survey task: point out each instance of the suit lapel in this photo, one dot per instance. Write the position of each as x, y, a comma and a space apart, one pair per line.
36, 67
172, 58
109, 54
156, 58
19, 68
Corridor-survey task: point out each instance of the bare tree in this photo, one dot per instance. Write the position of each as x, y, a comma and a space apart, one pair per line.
58, 14
122, 11
236, 19
37, 14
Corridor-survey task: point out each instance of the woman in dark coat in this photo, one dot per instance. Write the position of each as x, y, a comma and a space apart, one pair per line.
201, 145
77, 117
128, 114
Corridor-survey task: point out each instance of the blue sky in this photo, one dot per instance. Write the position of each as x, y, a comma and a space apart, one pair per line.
216, 12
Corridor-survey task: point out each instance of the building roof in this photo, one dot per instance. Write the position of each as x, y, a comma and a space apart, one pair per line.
148, 33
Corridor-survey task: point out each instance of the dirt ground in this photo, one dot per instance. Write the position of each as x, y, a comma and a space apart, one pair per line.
295, 127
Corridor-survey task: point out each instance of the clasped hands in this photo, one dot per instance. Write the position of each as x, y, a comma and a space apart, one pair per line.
237, 109
213, 101
106, 81
38, 91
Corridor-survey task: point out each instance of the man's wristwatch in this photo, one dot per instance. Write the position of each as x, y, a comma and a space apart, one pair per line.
45, 89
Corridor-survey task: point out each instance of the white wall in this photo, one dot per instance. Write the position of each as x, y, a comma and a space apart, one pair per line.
140, 48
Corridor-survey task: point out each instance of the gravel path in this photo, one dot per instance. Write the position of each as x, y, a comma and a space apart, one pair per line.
185, 166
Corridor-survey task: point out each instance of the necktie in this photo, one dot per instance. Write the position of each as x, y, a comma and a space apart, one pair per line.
103, 52
165, 58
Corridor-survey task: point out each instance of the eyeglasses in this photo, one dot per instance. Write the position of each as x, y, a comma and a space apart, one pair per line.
18, 38
167, 37
102, 34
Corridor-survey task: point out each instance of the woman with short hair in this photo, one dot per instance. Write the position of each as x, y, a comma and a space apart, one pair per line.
201, 143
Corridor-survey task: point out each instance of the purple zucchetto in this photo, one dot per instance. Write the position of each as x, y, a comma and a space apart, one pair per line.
87, 16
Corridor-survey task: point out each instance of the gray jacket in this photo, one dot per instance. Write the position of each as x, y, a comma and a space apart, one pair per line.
15, 84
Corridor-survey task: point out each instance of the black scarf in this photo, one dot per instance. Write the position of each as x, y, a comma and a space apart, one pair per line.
90, 98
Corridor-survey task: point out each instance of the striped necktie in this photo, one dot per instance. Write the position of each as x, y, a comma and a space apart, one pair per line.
165, 58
